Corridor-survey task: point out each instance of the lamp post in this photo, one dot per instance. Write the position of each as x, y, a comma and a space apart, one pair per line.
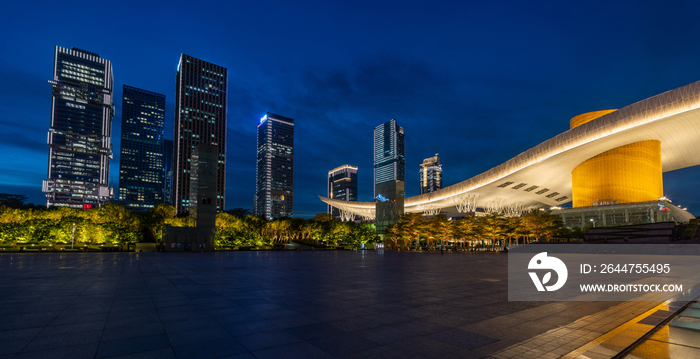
72, 236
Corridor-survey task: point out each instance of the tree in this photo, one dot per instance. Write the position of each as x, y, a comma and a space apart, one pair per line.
13, 200
394, 233
157, 218
539, 223
238, 212
493, 226
465, 228
444, 228
413, 224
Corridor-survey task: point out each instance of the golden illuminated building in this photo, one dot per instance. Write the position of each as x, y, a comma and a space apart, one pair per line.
587, 117
626, 174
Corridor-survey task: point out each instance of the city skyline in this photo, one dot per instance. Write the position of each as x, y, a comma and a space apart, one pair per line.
479, 92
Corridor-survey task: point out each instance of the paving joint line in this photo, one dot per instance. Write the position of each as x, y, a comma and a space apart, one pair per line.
619, 329
651, 332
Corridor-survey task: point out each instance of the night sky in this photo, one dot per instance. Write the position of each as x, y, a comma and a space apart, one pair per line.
476, 82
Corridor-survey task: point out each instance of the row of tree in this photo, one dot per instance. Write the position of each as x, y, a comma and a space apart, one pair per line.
114, 224
490, 231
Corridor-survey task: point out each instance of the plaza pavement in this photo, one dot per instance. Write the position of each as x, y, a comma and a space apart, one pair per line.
323, 304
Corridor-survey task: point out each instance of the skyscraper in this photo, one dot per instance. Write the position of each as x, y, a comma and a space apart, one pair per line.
80, 132
389, 153
342, 185
389, 175
168, 171
430, 175
141, 154
275, 167
200, 118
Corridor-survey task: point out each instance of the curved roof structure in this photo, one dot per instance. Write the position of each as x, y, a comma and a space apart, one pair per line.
672, 117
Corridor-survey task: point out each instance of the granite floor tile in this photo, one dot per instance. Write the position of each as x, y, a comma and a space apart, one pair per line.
54, 339
176, 326
210, 349
315, 331
343, 344
293, 351
259, 341
131, 346
246, 328
190, 336
80, 351
347, 304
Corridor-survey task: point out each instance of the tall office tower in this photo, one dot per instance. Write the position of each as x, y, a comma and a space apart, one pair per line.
80, 134
389, 176
389, 153
430, 175
168, 171
275, 167
200, 118
141, 154
342, 185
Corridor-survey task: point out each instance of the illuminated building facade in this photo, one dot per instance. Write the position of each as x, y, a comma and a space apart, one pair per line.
274, 182
342, 185
141, 154
609, 164
389, 153
200, 118
167, 171
389, 174
626, 174
80, 131
430, 175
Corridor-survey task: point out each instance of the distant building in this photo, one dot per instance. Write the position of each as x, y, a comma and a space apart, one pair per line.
200, 118
430, 175
274, 185
389, 153
80, 132
141, 154
168, 171
389, 175
342, 185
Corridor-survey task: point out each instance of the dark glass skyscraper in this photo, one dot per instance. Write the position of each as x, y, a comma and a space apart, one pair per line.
80, 134
389, 175
141, 154
168, 171
200, 118
389, 153
342, 185
430, 175
275, 167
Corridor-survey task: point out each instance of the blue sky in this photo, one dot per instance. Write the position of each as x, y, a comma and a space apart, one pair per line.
477, 82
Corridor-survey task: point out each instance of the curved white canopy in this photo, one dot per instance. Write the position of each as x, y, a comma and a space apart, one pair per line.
672, 117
